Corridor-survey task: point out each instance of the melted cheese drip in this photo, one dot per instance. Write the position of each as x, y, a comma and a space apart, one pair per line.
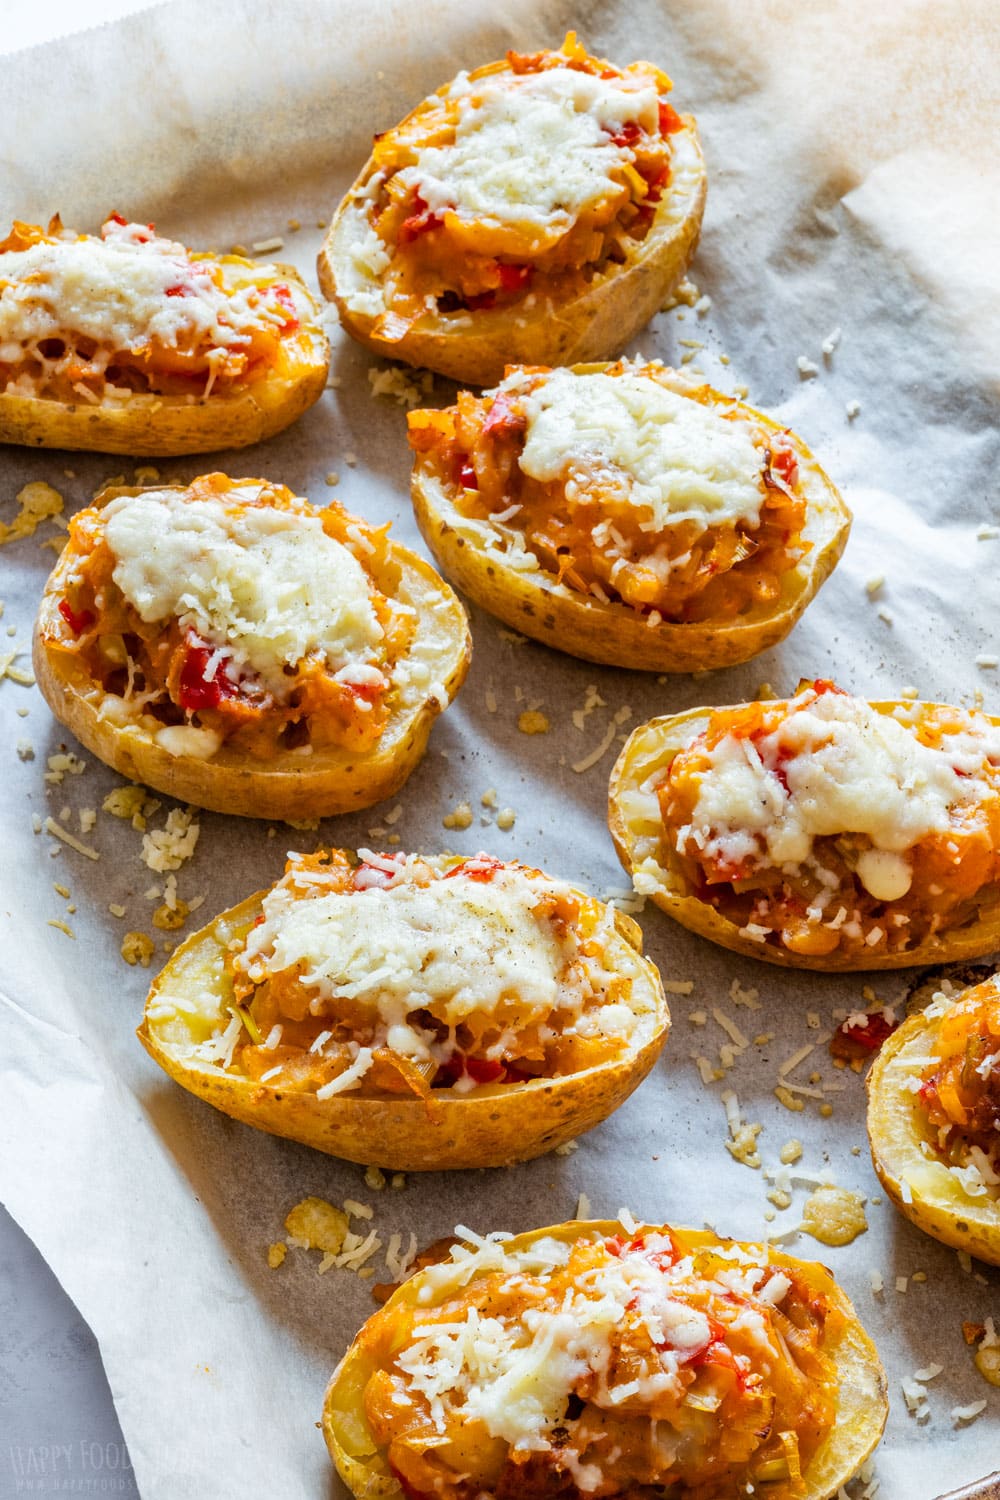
665, 453
267, 584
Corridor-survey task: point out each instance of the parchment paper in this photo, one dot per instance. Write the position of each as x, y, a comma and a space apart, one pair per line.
851, 149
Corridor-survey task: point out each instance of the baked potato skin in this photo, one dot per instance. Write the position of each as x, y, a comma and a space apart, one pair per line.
496, 1126
331, 781
862, 1412
595, 325
152, 426
896, 1128
649, 751
613, 634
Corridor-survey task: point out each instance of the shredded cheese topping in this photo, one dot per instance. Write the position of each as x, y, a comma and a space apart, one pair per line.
267, 584
125, 290
675, 458
633, 1328
532, 149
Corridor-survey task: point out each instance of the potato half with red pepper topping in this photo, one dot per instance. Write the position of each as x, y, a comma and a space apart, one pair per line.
934, 1119
607, 1360
127, 342
536, 210
413, 1013
624, 514
820, 831
234, 646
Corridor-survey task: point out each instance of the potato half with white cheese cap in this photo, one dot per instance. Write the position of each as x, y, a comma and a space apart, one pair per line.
236, 647
608, 1359
934, 1119
625, 514
821, 831
412, 1013
127, 342
537, 210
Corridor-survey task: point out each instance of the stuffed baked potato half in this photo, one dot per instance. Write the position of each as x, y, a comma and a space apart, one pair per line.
412, 1013
537, 211
933, 1112
512, 1368
819, 832
129, 343
625, 515
236, 647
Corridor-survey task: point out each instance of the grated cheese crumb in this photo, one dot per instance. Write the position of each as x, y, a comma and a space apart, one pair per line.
852, 409
61, 926
374, 1179
788, 1099
37, 502
459, 817
137, 948
791, 1152
276, 1254
968, 1413
406, 387
506, 818
315, 1224
533, 722
567, 1148
51, 826
806, 368
167, 848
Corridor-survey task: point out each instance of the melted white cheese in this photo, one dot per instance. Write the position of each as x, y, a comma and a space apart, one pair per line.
532, 149
665, 453
115, 292
459, 944
267, 585
848, 769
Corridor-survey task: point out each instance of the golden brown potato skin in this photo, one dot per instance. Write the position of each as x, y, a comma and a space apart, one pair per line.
151, 426
474, 347
634, 819
862, 1407
539, 606
896, 1128
497, 1125
290, 786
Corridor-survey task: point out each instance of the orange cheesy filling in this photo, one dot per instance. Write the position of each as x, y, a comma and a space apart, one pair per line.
453, 252
186, 669
616, 1369
823, 827
395, 974
960, 1090
587, 525
88, 318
